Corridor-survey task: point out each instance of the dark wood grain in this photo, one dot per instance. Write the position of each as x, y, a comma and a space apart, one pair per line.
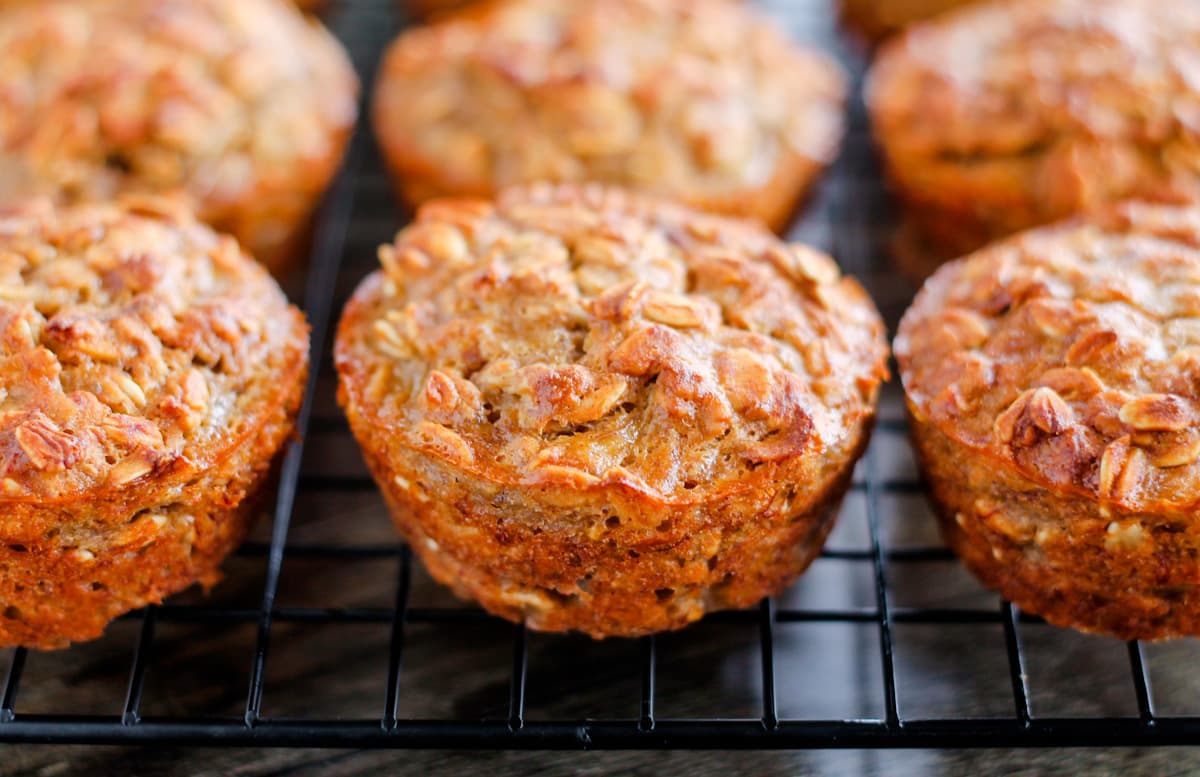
822, 670
854, 763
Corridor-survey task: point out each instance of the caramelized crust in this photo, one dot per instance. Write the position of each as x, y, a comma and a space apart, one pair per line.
430, 8
1054, 384
701, 100
592, 410
152, 372
243, 105
877, 19
1006, 115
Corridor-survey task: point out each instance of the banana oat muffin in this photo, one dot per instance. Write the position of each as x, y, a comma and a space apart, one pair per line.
1006, 115
151, 371
596, 411
244, 105
1054, 385
701, 100
877, 19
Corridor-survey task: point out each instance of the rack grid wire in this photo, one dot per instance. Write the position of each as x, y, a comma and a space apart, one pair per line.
849, 216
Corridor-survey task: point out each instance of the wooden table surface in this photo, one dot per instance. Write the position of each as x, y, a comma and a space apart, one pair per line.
824, 670
339, 763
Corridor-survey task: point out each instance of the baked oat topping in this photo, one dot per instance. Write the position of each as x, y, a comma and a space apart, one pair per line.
590, 336
1072, 351
128, 332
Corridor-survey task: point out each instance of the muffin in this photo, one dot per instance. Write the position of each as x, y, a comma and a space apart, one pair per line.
1007, 115
151, 373
877, 19
591, 410
1053, 381
700, 100
244, 106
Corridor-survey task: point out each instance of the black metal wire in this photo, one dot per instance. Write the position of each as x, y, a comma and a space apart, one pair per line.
649, 673
516, 730
517, 683
1017, 674
891, 706
396, 647
1141, 683
137, 674
8, 701
333, 224
766, 633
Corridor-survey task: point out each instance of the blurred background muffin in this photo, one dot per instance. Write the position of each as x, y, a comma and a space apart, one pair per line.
698, 99
1005, 115
244, 106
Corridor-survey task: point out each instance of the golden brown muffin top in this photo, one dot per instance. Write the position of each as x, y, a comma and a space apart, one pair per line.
99, 97
692, 97
590, 337
1072, 352
1014, 78
131, 338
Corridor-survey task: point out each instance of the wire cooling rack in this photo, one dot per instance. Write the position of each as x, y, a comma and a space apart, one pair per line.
884, 643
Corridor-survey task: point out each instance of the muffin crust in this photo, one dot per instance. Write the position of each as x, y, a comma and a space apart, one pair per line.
700, 100
151, 372
428, 9
877, 19
597, 411
244, 106
1054, 385
1007, 115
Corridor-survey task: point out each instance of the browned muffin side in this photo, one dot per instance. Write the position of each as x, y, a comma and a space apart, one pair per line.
151, 371
596, 411
243, 105
1054, 385
1006, 115
877, 19
701, 100
428, 9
